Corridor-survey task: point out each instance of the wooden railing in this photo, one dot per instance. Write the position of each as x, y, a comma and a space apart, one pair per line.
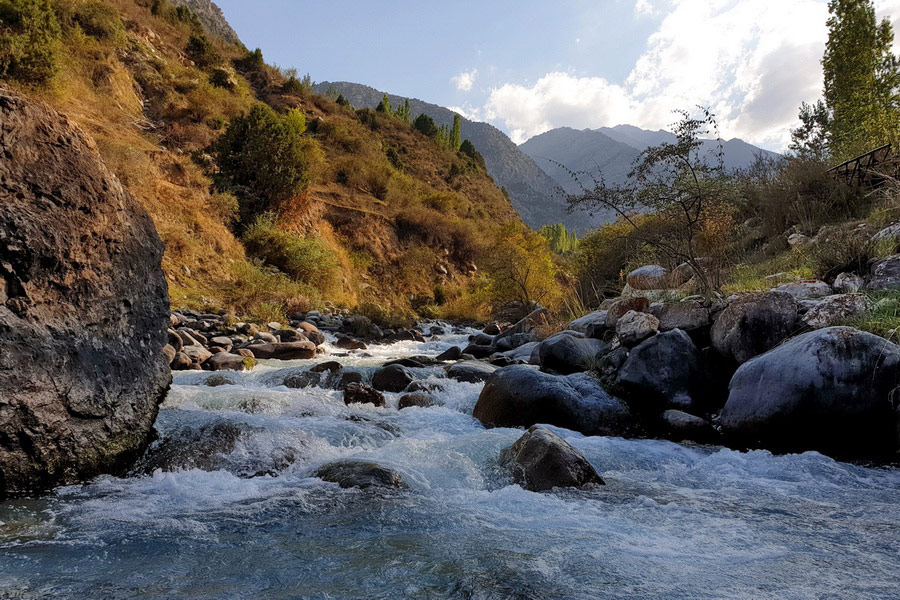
869, 170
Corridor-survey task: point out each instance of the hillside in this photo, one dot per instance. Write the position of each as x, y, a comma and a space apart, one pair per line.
610, 151
534, 194
385, 214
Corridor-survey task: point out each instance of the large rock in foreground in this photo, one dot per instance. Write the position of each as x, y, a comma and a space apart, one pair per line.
520, 396
541, 460
827, 390
83, 307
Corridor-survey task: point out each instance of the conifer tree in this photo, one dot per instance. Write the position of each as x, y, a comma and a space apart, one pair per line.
404, 112
385, 106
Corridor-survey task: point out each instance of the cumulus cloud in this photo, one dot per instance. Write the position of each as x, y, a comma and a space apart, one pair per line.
751, 61
465, 80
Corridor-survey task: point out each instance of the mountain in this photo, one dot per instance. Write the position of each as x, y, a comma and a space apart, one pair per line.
533, 193
212, 18
611, 151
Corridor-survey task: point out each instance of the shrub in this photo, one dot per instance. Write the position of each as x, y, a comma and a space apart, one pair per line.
425, 125
307, 260
221, 78
99, 21
201, 51
225, 207
257, 291
265, 160
292, 86
436, 230
29, 41
468, 150
842, 248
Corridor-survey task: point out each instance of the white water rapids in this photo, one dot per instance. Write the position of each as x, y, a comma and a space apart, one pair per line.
673, 521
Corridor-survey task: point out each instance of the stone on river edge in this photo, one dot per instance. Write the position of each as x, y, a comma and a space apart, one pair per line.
828, 390
84, 307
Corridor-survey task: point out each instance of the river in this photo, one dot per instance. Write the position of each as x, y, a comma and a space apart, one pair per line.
673, 522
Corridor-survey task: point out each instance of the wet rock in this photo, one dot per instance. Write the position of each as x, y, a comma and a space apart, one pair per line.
884, 274
416, 399
664, 371
393, 378
565, 353
523, 353
848, 283
218, 380
680, 426
225, 361
513, 341
477, 351
348, 343
806, 289
169, 353
451, 353
285, 350
634, 327
359, 393
84, 309
491, 329
331, 366
420, 385
181, 362
525, 325
221, 342
520, 396
303, 379
348, 377
541, 460
648, 277
409, 363
470, 371
359, 474
827, 390
753, 324
835, 309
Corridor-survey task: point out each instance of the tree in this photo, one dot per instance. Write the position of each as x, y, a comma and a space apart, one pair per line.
264, 159
685, 187
468, 150
520, 270
29, 40
404, 112
861, 79
202, 51
560, 239
385, 106
456, 133
425, 124
810, 140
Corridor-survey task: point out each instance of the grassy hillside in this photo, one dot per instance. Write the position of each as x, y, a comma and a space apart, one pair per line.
386, 214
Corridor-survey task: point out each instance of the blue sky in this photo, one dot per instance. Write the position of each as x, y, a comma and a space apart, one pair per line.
530, 65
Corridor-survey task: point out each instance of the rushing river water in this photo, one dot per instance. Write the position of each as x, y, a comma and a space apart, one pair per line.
672, 522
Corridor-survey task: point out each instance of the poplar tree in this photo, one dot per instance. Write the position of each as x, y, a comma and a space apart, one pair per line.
456, 133
862, 76
385, 106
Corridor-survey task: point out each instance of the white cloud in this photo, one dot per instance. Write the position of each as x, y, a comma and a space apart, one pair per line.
465, 80
644, 8
751, 61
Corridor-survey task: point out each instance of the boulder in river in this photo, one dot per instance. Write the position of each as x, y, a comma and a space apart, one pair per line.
566, 352
828, 390
470, 371
285, 350
360, 393
521, 396
392, 378
541, 460
359, 474
84, 308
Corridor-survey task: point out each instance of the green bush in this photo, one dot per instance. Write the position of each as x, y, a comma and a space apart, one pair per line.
201, 51
306, 259
29, 41
425, 125
265, 160
842, 248
221, 78
100, 21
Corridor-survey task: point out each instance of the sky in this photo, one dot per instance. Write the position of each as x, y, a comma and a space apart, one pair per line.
528, 66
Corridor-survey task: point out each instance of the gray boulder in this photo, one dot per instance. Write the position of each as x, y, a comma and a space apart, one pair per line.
582, 324
664, 371
541, 460
686, 316
884, 274
470, 371
680, 426
648, 277
392, 378
565, 353
835, 309
83, 307
635, 327
753, 324
520, 396
848, 283
806, 289
827, 390
285, 350
359, 474
419, 399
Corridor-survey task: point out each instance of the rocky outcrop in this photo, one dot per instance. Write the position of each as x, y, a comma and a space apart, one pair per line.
754, 324
827, 390
520, 396
541, 460
83, 307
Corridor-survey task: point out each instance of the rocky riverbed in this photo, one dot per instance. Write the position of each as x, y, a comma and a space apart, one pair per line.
250, 491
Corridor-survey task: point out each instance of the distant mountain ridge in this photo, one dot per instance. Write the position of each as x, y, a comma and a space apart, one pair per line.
611, 151
533, 193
